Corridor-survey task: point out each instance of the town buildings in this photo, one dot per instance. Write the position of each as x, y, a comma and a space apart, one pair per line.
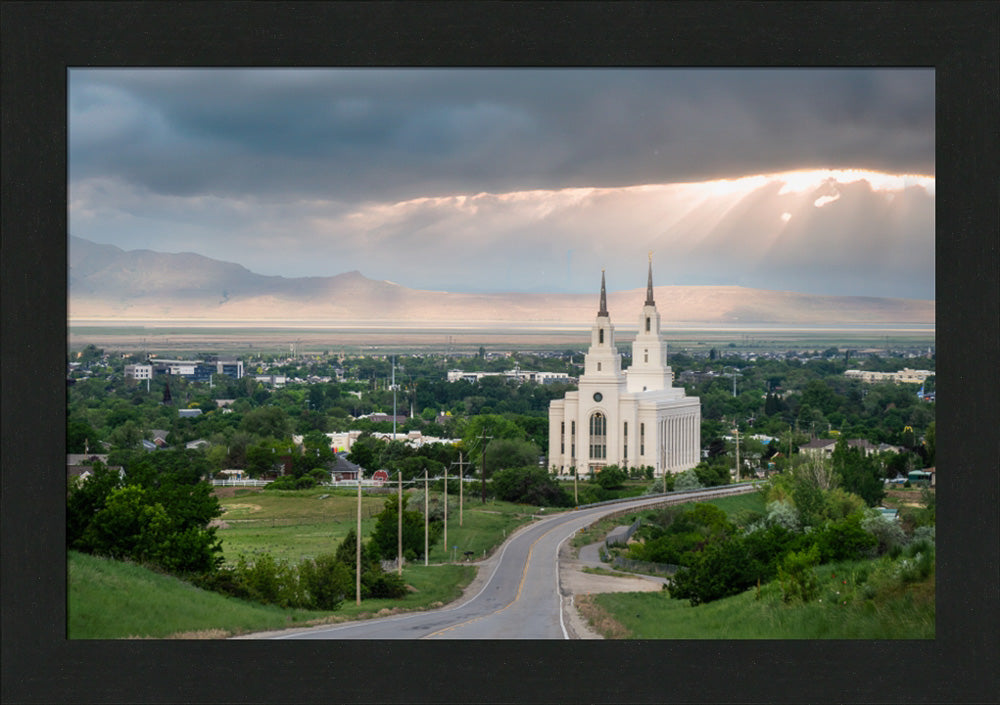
625, 418
198, 371
903, 376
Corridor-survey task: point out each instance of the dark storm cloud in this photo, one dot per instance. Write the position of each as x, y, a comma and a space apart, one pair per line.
364, 134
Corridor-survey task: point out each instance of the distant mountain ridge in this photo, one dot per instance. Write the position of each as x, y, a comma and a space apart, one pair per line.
108, 282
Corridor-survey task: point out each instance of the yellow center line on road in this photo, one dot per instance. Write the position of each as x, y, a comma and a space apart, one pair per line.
517, 596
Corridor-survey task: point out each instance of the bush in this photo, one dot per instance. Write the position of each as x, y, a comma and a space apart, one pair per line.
531, 485
796, 574
379, 584
721, 570
687, 480
326, 580
888, 534
611, 477
783, 513
270, 581
845, 539
163, 522
385, 539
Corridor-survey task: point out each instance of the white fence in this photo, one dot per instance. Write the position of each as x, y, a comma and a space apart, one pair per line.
260, 483
241, 483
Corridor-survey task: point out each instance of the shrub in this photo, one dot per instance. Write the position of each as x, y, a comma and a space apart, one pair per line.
166, 526
531, 485
721, 570
271, 581
376, 584
887, 532
687, 480
783, 513
326, 580
611, 477
845, 539
385, 540
796, 574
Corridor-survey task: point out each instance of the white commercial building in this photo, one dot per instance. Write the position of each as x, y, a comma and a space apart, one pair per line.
903, 376
139, 371
626, 418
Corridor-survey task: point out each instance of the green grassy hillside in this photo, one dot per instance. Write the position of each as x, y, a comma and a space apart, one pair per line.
112, 600
856, 600
115, 600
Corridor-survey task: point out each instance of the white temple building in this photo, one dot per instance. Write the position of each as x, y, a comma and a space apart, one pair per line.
627, 418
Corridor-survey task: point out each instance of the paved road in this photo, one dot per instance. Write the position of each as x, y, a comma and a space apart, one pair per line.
521, 599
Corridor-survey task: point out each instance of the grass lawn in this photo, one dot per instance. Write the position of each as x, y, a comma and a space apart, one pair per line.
292, 525
115, 600
848, 607
484, 527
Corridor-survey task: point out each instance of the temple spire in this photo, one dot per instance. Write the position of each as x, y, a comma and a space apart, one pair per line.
604, 298
649, 282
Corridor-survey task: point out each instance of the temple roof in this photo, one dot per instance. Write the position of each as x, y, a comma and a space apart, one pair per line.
604, 298
649, 283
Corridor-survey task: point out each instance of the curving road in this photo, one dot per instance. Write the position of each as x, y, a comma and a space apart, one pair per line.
521, 599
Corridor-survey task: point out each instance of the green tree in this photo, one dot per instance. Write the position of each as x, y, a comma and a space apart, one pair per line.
385, 537
81, 437
510, 453
612, 477
127, 436
266, 421
722, 569
326, 580
687, 480
858, 472
797, 574
530, 485
930, 444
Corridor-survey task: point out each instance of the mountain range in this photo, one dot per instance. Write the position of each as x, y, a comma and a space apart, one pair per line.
106, 282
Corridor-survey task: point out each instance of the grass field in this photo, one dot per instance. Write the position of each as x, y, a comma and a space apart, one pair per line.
484, 527
116, 600
849, 606
292, 525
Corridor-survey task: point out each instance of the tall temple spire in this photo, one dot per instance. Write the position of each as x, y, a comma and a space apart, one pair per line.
604, 298
649, 282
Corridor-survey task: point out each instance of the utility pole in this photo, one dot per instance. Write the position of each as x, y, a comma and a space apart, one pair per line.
446, 508
737, 451
426, 521
461, 482
393, 397
358, 544
576, 499
399, 527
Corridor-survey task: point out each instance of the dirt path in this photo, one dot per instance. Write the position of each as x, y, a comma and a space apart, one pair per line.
573, 582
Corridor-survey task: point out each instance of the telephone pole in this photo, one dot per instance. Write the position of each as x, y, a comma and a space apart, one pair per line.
399, 527
737, 452
446, 508
426, 522
461, 482
358, 545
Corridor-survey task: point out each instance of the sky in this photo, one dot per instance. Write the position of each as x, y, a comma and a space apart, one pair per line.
496, 180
